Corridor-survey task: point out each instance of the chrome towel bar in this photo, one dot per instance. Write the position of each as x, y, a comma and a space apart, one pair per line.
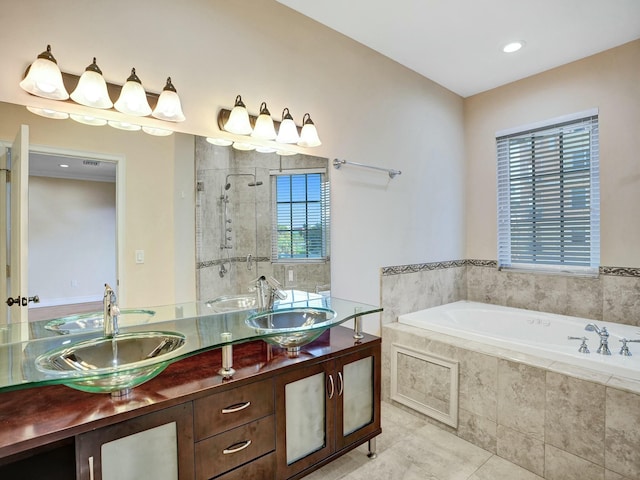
337, 163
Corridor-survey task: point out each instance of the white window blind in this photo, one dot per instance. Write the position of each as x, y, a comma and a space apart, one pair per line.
300, 224
549, 197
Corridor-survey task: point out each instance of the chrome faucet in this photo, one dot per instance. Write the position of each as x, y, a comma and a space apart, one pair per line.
267, 289
603, 349
110, 312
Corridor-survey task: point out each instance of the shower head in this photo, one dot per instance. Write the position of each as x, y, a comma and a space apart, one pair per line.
251, 184
227, 186
255, 184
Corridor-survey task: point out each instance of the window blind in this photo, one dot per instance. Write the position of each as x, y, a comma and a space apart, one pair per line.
549, 197
300, 223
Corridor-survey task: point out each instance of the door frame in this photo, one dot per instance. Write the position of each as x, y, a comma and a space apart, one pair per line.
120, 161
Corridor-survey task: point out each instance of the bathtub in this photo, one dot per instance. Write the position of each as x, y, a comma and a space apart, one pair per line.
537, 334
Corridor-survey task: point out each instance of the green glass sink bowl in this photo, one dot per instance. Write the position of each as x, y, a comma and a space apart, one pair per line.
111, 365
87, 322
283, 327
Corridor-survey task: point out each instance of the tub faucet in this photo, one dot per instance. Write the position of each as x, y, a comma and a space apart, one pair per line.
110, 312
603, 349
267, 289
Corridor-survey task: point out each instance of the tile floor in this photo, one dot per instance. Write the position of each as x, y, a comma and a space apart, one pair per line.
412, 449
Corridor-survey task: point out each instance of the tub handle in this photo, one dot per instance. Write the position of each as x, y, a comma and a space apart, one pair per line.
583, 346
625, 349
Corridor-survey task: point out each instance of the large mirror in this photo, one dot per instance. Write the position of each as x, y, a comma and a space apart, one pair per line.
166, 219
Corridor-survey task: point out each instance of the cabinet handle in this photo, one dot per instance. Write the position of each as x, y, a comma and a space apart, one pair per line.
91, 468
236, 407
236, 447
333, 387
340, 384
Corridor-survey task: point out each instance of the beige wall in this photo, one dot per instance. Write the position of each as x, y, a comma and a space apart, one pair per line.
72, 239
609, 81
367, 109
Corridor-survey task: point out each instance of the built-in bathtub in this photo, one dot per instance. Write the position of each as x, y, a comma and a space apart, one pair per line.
534, 333
509, 381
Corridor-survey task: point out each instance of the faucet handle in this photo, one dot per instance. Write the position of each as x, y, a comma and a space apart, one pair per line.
583, 346
624, 350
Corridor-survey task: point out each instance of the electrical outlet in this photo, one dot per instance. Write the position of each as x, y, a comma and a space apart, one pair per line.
290, 277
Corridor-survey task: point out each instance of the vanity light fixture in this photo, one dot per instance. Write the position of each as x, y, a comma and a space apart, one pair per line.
133, 98
91, 90
221, 142
264, 128
89, 120
288, 132
238, 121
308, 134
124, 126
169, 107
157, 132
48, 113
243, 146
44, 79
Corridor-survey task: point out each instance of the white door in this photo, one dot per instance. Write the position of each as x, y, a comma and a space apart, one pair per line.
17, 283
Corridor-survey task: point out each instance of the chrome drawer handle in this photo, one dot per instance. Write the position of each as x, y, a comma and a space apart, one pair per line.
235, 449
236, 408
340, 383
333, 387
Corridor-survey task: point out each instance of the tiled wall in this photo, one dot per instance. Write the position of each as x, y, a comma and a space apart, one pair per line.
613, 296
554, 424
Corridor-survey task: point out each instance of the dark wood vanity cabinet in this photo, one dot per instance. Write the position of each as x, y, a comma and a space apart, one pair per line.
326, 409
278, 418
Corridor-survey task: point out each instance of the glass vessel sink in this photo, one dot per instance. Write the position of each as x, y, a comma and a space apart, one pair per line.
111, 365
93, 321
291, 328
232, 303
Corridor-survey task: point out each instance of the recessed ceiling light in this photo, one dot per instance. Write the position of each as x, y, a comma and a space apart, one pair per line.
513, 46
63, 165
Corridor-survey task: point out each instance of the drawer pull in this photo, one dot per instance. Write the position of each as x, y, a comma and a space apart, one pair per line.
236, 408
236, 447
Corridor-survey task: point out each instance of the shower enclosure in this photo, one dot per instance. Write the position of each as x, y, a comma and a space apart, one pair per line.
234, 222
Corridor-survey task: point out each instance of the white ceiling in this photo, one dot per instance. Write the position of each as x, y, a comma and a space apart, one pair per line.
458, 43
78, 168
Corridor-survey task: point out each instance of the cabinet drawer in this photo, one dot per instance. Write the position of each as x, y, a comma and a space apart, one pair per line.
262, 469
223, 411
228, 450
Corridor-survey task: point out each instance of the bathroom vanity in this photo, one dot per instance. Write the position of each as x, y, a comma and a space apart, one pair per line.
278, 417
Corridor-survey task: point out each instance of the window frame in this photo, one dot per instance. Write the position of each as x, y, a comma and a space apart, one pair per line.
549, 131
325, 215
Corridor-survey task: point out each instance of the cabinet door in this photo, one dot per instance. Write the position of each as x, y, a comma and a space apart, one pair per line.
156, 446
305, 409
358, 396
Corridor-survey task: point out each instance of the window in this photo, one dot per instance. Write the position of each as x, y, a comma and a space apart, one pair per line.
549, 196
300, 216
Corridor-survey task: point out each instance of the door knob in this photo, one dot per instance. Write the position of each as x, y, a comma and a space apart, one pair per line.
12, 301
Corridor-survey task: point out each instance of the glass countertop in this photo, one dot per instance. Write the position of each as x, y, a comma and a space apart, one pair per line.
203, 327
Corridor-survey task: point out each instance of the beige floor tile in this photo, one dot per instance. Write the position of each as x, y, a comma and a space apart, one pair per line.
497, 468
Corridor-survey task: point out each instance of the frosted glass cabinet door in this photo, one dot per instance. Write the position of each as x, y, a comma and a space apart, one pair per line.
156, 446
357, 403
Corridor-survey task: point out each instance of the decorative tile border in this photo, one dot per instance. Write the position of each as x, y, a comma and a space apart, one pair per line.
420, 267
213, 263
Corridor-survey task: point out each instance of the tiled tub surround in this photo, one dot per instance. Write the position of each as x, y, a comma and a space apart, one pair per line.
613, 296
556, 420
249, 209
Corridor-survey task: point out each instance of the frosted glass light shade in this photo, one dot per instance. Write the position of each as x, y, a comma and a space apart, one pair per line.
222, 142
288, 132
133, 99
92, 89
242, 146
309, 134
44, 78
238, 121
264, 128
169, 107
124, 126
89, 120
157, 132
45, 112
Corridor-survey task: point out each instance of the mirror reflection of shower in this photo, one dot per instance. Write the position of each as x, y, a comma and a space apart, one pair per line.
226, 221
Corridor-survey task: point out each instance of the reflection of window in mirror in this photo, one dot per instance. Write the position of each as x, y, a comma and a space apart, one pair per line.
300, 229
